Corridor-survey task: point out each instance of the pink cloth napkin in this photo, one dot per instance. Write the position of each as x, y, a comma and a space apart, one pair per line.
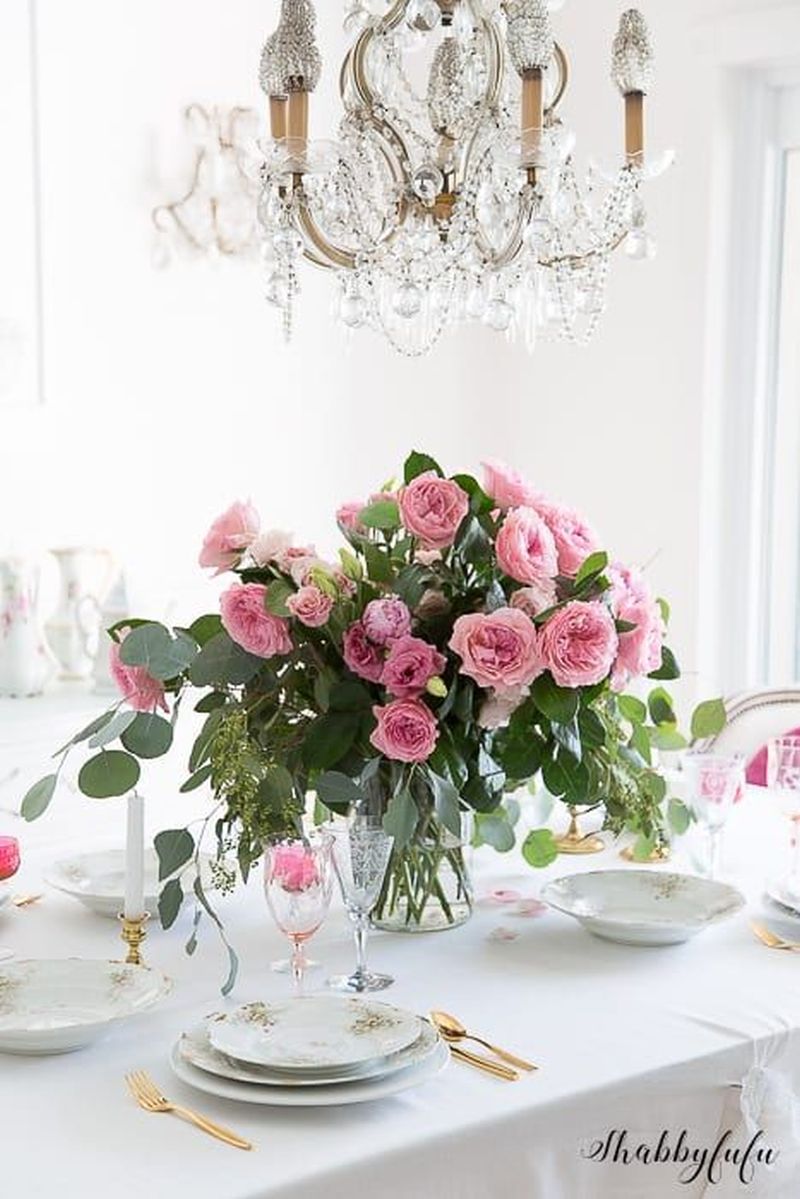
756, 773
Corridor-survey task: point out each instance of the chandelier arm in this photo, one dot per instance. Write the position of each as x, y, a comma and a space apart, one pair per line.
316, 246
498, 260
577, 259
366, 97
563, 71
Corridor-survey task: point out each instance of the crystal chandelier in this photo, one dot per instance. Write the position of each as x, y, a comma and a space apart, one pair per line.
451, 194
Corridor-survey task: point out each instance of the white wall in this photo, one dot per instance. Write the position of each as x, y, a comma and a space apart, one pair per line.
168, 394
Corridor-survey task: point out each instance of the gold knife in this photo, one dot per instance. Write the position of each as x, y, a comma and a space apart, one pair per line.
484, 1063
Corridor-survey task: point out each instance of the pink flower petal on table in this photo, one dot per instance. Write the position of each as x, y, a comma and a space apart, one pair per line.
502, 934
530, 907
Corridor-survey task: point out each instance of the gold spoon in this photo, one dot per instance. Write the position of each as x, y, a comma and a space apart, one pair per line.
25, 901
452, 1029
771, 939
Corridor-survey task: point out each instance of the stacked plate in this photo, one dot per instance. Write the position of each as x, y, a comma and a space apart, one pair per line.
97, 879
781, 894
313, 1051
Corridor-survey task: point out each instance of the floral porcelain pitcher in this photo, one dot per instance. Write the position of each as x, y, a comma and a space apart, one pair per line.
26, 663
73, 629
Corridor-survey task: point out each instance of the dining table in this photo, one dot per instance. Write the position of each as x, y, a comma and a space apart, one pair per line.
661, 1071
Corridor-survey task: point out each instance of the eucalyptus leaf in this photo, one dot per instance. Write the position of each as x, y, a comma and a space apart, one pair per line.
632, 709
37, 798
446, 802
174, 847
329, 738
337, 789
197, 779
539, 848
493, 828
162, 655
149, 735
169, 902
401, 818
277, 594
379, 564
221, 662
679, 816
205, 627
669, 668
111, 729
110, 773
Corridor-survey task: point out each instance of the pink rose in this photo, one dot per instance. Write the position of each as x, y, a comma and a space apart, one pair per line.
137, 686
347, 517
406, 732
410, 665
432, 509
525, 548
360, 654
640, 648
535, 598
575, 539
386, 619
287, 558
247, 621
229, 536
507, 487
498, 709
269, 546
498, 650
579, 644
294, 867
311, 606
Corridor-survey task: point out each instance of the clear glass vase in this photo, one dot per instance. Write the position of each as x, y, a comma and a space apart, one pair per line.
428, 887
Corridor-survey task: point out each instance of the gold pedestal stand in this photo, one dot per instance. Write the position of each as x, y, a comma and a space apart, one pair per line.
574, 841
660, 854
133, 933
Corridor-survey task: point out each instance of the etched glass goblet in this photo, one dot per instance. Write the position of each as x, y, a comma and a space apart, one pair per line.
361, 851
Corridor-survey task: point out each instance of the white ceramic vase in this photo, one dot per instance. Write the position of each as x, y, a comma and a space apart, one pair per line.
74, 628
27, 664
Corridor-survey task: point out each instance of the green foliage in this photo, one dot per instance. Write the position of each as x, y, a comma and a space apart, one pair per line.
669, 668
328, 739
148, 736
557, 703
111, 729
417, 464
175, 848
679, 816
223, 663
383, 515
337, 790
708, 719
539, 848
109, 774
37, 798
401, 818
205, 627
162, 655
170, 902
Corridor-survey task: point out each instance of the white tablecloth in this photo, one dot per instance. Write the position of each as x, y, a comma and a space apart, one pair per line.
633, 1041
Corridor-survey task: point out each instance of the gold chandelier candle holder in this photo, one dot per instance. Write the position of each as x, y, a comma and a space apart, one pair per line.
459, 200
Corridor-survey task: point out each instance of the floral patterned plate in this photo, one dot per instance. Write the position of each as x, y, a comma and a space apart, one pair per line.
643, 907
313, 1032
55, 1006
195, 1048
360, 1090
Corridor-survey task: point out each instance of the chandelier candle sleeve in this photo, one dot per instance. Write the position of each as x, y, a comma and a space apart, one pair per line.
134, 859
632, 72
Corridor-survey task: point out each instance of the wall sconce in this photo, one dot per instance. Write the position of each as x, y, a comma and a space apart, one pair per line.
216, 216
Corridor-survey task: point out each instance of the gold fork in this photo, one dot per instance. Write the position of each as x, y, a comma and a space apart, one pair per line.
772, 940
24, 901
148, 1096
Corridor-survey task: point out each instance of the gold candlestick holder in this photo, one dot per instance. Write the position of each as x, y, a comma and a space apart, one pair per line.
576, 842
133, 933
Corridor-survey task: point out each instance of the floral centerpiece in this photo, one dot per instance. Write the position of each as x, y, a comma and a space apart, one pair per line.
468, 639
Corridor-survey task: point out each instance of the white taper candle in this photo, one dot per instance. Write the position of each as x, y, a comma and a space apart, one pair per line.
134, 859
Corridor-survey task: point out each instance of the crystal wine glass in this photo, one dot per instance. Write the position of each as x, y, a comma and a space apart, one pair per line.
298, 881
783, 777
361, 851
715, 784
9, 865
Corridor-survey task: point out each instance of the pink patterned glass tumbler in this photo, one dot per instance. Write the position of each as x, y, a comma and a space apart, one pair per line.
783, 779
298, 884
715, 784
9, 865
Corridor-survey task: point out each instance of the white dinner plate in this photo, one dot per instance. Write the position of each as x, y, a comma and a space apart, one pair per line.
787, 900
196, 1049
57, 1005
643, 907
97, 880
313, 1032
358, 1091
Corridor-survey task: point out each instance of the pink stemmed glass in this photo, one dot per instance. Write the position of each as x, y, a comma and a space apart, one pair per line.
716, 783
783, 777
298, 883
9, 865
